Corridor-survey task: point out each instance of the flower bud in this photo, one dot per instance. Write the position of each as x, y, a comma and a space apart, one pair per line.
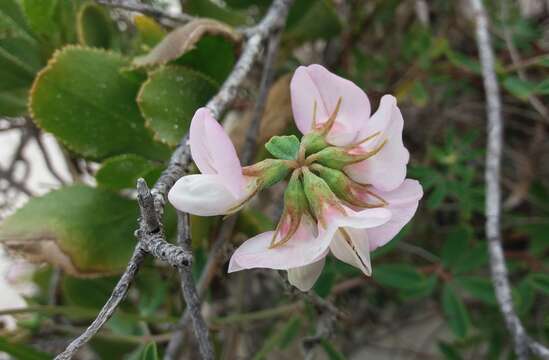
269, 171
346, 189
315, 140
339, 157
319, 196
295, 205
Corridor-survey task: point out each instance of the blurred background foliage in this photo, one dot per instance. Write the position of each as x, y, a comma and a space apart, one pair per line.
92, 76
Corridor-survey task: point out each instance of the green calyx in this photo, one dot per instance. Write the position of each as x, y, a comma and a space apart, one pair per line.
319, 195
295, 206
283, 147
269, 171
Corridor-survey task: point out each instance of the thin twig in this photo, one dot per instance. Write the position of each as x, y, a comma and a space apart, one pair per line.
523, 344
46, 156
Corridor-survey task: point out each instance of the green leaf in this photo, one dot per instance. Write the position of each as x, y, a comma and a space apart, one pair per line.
169, 98
87, 293
283, 147
150, 32
449, 351
312, 19
280, 338
331, 351
520, 88
472, 259
463, 61
84, 230
208, 48
210, 9
122, 171
437, 196
399, 276
21, 351
14, 102
540, 282
455, 312
424, 290
147, 352
478, 287
542, 88
93, 26
455, 245
87, 100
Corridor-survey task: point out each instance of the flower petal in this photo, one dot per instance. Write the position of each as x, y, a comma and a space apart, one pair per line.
357, 219
213, 152
351, 246
302, 249
403, 203
304, 277
203, 195
387, 169
314, 84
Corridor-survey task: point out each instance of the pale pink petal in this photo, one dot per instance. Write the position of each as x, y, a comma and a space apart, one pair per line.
362, 219
387, 169
403, 203
302, 249
316, 84
357, 253
304, 277
213, 152
203, 195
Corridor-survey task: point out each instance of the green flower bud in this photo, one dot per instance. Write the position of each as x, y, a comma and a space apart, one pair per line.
269, 171
345, 188
339, 157
319, 195
295, 205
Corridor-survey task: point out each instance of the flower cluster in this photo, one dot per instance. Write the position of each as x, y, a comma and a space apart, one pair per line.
347, 192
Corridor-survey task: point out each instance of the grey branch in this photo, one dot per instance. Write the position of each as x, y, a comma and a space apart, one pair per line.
118, 294
159, 15
523, 344
190, 294
178, 163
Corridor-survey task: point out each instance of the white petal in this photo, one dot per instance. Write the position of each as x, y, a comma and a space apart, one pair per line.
304, 277
351, 246
203, 195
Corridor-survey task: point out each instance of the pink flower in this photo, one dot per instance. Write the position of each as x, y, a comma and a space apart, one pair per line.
349, 233
221, 187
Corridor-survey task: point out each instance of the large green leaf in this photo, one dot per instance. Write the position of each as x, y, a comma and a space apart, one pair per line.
455, 312
169, 98
84, 230
86, 98
122, 172
478, 287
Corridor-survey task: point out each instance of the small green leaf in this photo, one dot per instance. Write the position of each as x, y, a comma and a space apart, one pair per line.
463, 61
437, 196
472, 259
150, 32
122, 171
455, 245
84, 230
520, 88
331, 351
455, 312
148, 352
86, 99
399, 276
21, 351
449, 351
93, 26
210, 9
312, 19
424, 290
283, 147
169, 98
542, 88
478, 287
540, 282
